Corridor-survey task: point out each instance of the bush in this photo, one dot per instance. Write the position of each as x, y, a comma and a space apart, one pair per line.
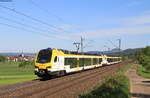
2, 59
114, 87
124, 58
141, 71
144, 58
25, 63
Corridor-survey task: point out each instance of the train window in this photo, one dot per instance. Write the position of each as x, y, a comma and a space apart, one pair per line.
110, 59
81, 61
115, 59
95, 61
85, 61
100, 60
71, 61
55, 60
44, 56
88, 61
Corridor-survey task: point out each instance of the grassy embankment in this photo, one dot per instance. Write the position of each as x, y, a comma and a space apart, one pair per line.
141, 71
116, 86
10, 73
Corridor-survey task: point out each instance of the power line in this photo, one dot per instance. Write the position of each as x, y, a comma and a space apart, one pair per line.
46, 11
22, 19
32, 18
113, 44
20, 28
17, 22
107, 47
51, 14
88, 44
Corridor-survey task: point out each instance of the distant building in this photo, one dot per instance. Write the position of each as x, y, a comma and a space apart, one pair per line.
21, 57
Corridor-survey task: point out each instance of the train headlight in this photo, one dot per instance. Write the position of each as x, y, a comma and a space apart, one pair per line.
36, 70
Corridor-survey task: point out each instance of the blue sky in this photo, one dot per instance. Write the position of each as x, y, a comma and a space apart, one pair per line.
98, 21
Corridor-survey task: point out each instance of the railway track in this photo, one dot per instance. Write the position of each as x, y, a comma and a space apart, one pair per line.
69, 86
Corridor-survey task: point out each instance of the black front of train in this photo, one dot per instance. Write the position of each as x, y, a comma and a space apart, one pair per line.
44, 56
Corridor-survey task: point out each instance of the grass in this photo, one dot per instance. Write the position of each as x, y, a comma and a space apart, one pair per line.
10, 73
116, 86
123, 70
113, 87
141, 71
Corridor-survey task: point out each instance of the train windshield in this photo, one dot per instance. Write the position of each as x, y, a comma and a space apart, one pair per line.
44, 56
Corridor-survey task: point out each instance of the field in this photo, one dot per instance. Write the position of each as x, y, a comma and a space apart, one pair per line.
10, 73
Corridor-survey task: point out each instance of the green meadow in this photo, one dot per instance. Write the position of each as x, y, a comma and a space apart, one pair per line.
10, 73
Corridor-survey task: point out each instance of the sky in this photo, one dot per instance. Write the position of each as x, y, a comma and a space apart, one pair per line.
40, 24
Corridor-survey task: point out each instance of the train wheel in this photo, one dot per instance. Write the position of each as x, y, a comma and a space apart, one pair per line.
62, 73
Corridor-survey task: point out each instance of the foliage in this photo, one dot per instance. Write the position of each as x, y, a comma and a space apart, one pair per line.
26, 63
124, 58
144, 57
114, 87
2, 59
143, 72
123, 70
117, 86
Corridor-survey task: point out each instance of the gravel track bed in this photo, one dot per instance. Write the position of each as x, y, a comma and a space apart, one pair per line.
69, 86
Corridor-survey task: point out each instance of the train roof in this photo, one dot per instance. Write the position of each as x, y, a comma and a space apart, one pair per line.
69, 54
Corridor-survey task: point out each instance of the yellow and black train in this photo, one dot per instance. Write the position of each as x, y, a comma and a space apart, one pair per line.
51, 62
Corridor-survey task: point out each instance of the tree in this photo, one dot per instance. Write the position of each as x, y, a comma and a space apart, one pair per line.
2, 58
144, 57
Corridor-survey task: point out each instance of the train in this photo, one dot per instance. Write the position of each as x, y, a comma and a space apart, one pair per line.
53, 62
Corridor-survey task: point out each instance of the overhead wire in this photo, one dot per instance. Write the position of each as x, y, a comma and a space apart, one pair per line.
51, 14
113, 44
56, 16
34, 19
24, 29
23, 24
46, 11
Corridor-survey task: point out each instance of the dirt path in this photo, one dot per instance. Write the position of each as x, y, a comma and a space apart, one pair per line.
140, 87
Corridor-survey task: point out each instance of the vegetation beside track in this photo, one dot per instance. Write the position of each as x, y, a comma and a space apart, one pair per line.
123, 70
10, 73
143, 58
116, 86
141, 71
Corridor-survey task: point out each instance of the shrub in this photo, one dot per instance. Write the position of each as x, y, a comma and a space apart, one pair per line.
114, 87
144, 58
2, 58
26, 63
124, 58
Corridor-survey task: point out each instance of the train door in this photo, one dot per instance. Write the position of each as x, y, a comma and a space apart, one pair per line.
59, 62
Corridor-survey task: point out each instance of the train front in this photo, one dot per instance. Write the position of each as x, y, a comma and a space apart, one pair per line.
43, 62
